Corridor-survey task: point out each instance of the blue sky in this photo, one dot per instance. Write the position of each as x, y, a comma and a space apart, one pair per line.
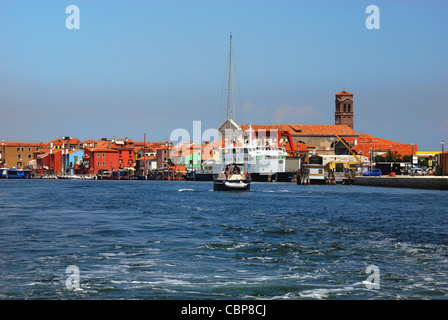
138, 67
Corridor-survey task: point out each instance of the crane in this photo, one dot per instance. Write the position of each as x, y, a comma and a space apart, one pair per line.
354, 154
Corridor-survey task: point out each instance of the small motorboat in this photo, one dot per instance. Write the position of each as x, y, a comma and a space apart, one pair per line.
235, 177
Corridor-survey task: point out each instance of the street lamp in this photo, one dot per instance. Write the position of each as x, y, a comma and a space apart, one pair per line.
441, 156
412, 160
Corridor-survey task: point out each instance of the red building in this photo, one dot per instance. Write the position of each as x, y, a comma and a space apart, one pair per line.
126, 158
96, 159
49, 162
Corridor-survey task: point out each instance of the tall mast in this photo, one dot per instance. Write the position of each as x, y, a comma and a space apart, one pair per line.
230, 92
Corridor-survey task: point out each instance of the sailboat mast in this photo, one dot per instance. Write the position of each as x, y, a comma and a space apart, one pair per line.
230, 93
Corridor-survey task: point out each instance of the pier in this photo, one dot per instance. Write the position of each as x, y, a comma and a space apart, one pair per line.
420, 182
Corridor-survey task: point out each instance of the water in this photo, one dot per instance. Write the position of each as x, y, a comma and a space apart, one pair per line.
180, 240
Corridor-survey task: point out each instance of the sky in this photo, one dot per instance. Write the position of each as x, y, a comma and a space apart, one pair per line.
138, 67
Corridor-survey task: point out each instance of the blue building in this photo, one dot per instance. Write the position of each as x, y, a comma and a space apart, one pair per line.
72, 160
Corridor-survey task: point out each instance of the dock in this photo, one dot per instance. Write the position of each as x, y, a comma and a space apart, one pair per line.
419, 182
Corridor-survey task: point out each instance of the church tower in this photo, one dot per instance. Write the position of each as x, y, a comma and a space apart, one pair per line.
343, 113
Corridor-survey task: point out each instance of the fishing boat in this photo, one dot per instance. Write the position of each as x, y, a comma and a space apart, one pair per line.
235, 177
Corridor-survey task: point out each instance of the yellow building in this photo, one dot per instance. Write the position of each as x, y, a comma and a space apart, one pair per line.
17, 154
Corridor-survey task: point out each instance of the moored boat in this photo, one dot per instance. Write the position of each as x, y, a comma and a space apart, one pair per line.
15, 173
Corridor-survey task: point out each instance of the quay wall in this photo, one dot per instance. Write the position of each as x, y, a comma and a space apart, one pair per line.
439, 183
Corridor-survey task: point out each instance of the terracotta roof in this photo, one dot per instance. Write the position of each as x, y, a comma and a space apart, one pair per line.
43, 155
164, 147
366, 141
343, 93
306, 129
103, 150
21, 144
302, 146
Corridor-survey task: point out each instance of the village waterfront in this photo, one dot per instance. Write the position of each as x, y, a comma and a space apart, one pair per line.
93, 239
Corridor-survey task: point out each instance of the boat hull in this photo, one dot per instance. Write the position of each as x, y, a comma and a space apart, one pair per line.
226, 185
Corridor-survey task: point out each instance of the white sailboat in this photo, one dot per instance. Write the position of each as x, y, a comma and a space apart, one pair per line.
262, 157
235, 176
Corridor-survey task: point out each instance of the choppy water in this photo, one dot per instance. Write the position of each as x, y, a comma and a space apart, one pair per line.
180, 240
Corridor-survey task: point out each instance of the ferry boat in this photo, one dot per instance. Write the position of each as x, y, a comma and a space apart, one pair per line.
262, 162
235, 177
15, 173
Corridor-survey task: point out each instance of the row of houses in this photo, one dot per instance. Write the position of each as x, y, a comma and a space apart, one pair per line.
69, 155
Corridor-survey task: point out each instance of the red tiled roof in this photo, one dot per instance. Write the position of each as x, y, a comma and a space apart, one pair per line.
102, 150
306, 129
21, 144
366, 141
343, 93
164, 147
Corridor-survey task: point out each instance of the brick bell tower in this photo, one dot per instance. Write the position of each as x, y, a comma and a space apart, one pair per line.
343, 114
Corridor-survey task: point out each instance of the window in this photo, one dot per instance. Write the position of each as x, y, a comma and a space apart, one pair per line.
130, 153
29, 149
97, 163
104, 155
19, 164
19, 156
349, 108
29, 156
345, 108
18, 149
97, 155
120, 161
104, 163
